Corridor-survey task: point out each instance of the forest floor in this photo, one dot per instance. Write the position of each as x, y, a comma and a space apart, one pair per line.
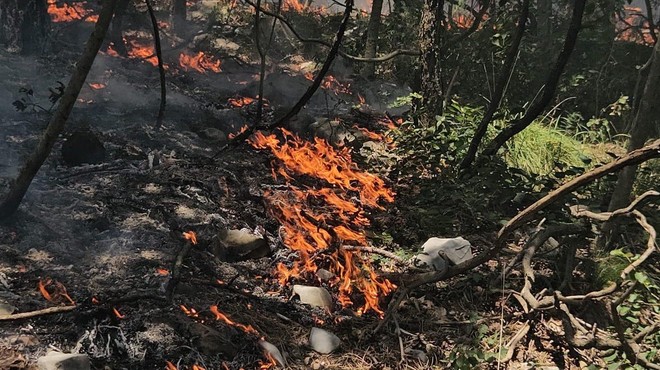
111, 232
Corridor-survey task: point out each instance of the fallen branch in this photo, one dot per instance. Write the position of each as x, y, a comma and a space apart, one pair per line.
30, 314
176, 270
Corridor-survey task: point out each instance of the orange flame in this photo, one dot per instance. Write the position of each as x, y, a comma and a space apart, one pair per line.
58, 294
200, 63
95, 300
632, 26
239, 102
222, 317
191, 312
96, 85
370, 134
170, 366
69, 12
271, 362
162, 272
145, 52
293, 5
361, 99
233, 135
190, 235
197, 367
307, 231
117, 313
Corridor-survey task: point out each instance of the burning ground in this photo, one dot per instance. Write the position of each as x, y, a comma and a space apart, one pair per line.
103, 244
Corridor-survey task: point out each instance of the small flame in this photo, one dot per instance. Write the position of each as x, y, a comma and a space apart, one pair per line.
243, 129
240, 102
331, 83
97, 85
117, 313
190, 312
190, 235
293, 5
69, 12
145, 52
95, 300
370, 134
271, 362
199, 62
361, 99
222, 317
197, 367
58, 293
162, 272
170, 366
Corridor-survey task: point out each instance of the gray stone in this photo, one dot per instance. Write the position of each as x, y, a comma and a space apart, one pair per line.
63, 361
225, 45
213, 134
313, 296
324, 275
323, 341
6, 309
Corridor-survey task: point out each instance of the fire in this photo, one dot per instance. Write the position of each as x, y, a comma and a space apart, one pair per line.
200, 62
162, 272
197, 367
310, 228
240, 102
293, 5
146, 52
117, 313
361, 99
370, 134
96, 85
170, 366
267, 365
58, 293
190, 235
331, 83
233, 135
95, 300
189, 312
222, 317
632, 26
69, 12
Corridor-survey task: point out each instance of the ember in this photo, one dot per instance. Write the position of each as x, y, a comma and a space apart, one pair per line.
332, 84
233, 135
162, 272
190, 235
240, 102
69, 12
200, 62
307, 232
191, 312
222, 317
96, 85
146, 52
117, 313
267, 365
58, 293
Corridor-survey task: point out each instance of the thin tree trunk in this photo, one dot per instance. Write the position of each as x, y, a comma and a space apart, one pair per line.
373, 32
56, 124
116, 36
179, 15
500, 86
24, 25
161, 67
645, 126
431, 87
550, 84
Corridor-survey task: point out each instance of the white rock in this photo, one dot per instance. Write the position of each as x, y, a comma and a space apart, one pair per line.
63, 361
457, 250
323, 341
313, 296
272, 350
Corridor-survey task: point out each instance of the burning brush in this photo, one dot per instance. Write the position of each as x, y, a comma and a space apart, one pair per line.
319, 220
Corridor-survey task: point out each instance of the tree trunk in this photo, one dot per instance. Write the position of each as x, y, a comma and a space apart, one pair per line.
179, 16
116, 36
646, 125
373, 32
55, 126
431, 30
24, 25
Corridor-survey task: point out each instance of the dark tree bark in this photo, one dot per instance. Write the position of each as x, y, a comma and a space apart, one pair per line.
373, 33
116, 35
24, 25
646, 125
179, 15
550, 84
55, 126
161, 67
500, 85
432, 26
